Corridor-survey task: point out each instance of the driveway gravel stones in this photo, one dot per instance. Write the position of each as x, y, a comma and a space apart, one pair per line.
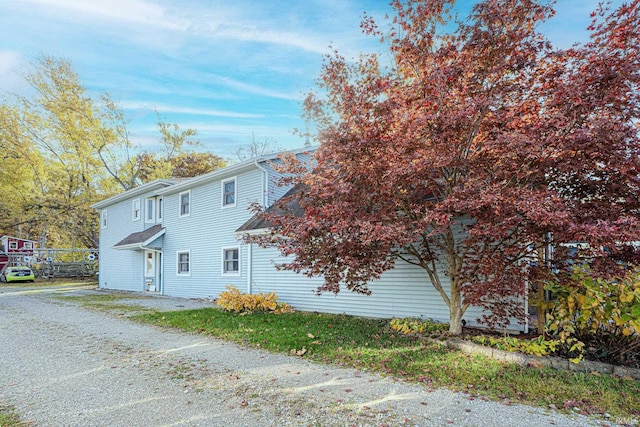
63, 365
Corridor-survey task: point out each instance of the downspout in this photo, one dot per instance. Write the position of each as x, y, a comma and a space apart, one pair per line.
249, 267
264, 183
265, 178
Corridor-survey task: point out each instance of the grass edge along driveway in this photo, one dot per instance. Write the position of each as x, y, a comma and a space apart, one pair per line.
371, 345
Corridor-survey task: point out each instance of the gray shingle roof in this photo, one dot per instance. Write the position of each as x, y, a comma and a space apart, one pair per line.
291, 207
141, 237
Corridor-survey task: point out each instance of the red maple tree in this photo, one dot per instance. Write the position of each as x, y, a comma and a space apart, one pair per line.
468, 152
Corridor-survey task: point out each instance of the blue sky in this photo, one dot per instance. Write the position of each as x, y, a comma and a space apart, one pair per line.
229, 69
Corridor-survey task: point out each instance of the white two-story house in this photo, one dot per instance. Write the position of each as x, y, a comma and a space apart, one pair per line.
183, 238
177, 237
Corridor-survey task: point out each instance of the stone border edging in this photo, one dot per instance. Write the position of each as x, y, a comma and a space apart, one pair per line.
585, 366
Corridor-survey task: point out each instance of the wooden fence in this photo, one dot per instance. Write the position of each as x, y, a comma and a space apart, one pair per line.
52, 263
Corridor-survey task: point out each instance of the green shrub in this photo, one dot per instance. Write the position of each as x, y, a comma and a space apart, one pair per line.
602, 314
235, 301
410, 325
538, 346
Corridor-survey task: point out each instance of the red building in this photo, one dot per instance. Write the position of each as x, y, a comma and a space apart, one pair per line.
14, 248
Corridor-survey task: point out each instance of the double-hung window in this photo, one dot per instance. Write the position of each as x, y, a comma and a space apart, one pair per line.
135, 209
185, 203
231, 261
229, 192
183, 263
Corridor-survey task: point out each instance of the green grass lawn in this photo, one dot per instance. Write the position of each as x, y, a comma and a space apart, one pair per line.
9, 417
370, 344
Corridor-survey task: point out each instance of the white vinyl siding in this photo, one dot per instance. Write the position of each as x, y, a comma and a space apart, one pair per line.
404, 291
208, 229
229, 192
135, 210
185, 203
123, 269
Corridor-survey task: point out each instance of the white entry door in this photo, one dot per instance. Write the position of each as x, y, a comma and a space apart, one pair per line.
151, 271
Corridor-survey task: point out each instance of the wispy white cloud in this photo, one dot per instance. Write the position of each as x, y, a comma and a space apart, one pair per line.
177, 109
128, 11
235, 22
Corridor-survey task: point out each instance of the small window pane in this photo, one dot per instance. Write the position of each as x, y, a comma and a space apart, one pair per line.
229, 193
135, 209
184, 204
231, 261
183, 263
150, 264
150, 208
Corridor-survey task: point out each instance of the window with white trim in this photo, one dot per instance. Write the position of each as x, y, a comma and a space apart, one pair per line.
135, 209
183, 263
13, 245
28, 245
150, 210
231, 261
185, 203
103, 218
229, 193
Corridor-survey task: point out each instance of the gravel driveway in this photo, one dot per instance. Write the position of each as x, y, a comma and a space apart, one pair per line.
63, 365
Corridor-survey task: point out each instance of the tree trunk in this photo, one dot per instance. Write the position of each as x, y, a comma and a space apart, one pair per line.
455, 312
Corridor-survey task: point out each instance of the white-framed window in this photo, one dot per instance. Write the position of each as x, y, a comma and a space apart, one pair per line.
28, 245
159, 209
135, 209
183, 267
103, 218
229, 192
150, 210
13, 245
231, 261
185, 203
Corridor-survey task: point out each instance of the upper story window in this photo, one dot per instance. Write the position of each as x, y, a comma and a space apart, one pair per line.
229, 192
150, 215
28, 245
185, 203
103, 218
159, 209
135, 209
184, 266
13, 245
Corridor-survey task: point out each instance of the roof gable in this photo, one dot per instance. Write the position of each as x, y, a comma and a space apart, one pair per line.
145, 188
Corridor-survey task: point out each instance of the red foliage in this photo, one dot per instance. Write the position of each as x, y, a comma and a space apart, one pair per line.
469, 150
